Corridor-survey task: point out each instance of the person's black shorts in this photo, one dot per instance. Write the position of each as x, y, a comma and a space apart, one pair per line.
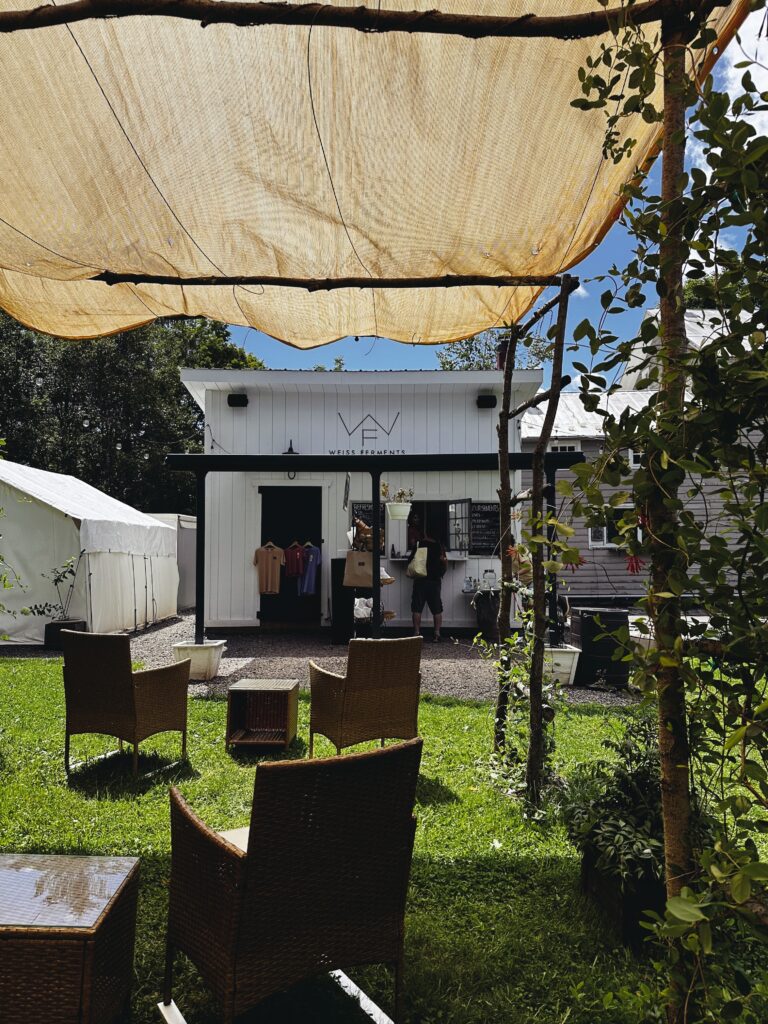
426, 591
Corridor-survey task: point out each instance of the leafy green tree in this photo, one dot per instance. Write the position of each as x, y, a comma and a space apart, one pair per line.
480, 352
109, 410
710, 290
704, 431
338, 365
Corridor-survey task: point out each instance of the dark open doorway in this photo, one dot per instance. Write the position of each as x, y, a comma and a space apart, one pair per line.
291, 515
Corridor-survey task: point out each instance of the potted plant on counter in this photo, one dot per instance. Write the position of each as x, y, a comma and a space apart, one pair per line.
399, 503
63, 578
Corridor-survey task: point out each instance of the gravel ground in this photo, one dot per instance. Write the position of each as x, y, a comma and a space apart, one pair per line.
452, 668
449, 669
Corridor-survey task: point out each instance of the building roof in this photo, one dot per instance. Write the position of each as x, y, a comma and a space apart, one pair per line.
573, 420
197, 382
105, 523
701, 327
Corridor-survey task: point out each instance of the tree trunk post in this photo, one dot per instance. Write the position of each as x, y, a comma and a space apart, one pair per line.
535, 760
505, 512
665, 480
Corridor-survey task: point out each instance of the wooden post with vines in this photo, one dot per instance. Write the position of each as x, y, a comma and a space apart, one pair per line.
505, 512
535, 760
665, 605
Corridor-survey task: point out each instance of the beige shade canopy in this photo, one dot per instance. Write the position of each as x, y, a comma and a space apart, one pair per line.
151, 146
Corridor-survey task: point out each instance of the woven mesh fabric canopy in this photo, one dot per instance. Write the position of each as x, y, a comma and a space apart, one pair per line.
155, 147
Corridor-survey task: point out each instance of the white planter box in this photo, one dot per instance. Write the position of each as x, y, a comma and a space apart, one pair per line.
205, 657
561, 662
398, 509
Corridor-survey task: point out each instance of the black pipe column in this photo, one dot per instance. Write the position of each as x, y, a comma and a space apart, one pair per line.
200, 560
376, 609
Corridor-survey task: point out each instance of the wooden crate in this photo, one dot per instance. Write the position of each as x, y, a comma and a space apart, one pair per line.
262, 713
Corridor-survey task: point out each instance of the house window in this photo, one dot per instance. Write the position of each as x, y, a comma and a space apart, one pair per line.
565, 446
608, 536
635, 458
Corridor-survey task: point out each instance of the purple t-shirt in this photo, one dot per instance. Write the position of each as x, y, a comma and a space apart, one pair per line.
308, 581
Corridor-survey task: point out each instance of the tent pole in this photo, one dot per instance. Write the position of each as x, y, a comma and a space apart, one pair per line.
376, 612
200, 560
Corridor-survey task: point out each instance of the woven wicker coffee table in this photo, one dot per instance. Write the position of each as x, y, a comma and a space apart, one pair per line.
262, 712
67, 930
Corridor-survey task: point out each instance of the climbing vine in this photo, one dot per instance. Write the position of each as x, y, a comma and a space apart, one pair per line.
699, 515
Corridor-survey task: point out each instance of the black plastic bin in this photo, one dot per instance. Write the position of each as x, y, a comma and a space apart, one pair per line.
487, 610
596, 665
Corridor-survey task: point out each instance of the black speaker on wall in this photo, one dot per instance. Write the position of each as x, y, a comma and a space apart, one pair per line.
237, 401
486, 401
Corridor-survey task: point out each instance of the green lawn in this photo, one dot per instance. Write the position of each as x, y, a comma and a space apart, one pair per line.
496, 927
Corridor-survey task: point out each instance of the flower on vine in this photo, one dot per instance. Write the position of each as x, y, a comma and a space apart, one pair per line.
635, 564
573, 566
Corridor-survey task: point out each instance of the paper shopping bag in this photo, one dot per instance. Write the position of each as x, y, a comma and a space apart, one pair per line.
358, 572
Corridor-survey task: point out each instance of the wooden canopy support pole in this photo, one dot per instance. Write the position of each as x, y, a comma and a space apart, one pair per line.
568, 284
327, 284
667, 560
666, 612
535, 762
505, 521
362, 19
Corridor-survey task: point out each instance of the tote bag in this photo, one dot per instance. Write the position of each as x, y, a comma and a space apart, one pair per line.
358, 571
417, 567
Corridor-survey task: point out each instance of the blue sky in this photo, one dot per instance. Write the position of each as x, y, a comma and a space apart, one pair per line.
383, 354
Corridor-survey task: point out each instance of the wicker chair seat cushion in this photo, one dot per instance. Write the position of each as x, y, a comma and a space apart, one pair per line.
237, 836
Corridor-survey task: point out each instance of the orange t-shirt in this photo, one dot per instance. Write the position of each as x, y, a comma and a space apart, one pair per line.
268, 561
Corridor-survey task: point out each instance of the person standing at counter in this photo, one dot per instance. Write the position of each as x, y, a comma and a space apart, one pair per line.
415, 532
426, 589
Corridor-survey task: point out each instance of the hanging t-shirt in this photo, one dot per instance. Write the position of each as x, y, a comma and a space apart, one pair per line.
294, 560
308, 582
268, 560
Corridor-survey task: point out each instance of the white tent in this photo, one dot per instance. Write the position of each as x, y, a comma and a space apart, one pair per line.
126, 561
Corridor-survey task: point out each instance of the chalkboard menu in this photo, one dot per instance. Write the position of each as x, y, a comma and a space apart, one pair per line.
364, 510
484, 528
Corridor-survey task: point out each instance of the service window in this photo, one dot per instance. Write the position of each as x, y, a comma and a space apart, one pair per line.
434, 520
458, 526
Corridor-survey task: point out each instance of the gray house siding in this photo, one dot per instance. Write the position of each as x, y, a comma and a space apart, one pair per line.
604, 575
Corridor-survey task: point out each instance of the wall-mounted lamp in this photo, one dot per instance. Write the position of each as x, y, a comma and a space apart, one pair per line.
486, 401
237, 401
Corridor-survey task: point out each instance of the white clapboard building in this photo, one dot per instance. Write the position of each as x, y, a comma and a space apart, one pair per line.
272, 412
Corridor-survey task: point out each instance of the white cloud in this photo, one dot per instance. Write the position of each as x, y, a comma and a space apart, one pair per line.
581, 292
749, 45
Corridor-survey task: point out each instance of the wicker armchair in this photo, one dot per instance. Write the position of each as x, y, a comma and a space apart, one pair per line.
103, 695
317, 882
378, 698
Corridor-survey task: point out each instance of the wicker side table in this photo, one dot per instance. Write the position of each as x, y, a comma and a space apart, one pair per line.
67, 932
262, 712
